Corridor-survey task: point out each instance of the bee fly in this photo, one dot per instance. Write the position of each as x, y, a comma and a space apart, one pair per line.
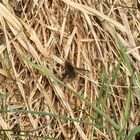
70, 71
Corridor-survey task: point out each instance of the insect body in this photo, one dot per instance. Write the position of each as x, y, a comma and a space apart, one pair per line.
70, 71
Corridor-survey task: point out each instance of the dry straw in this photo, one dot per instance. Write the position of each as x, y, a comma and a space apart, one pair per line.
37, 37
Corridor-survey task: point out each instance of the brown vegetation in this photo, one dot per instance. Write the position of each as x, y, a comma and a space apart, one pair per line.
102, 37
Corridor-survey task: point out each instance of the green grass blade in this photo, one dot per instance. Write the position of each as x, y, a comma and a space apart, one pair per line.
45, 114
133, 132
124, 55
126, 114
51, 75
112, 82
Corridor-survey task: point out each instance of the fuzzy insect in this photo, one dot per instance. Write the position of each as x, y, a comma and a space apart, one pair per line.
70, 71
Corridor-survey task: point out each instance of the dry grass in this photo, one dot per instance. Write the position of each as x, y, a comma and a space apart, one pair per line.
37, 37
